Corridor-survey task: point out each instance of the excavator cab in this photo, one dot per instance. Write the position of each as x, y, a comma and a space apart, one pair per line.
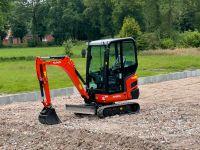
109, 64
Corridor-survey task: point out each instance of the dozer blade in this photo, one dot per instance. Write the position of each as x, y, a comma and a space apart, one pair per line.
48, 116
81, 109
118, 109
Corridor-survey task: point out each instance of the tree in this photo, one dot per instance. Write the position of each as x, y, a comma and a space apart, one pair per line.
19, 29
190, 17
39, 12
4, 10
56, 22
4, 5
91, 16
126, 8
106, 22
197, 21
94, 19
171, 10
152, 15
32, 14
187, 22
2, 34
19, 19
73, 19
130, 28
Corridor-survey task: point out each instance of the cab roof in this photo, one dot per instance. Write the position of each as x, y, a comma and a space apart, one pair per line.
107, 41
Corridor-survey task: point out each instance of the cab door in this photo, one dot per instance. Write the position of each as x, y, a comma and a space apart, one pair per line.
115, 68
122, 64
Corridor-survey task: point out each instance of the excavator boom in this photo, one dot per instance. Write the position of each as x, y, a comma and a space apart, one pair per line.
48, 114
67, 65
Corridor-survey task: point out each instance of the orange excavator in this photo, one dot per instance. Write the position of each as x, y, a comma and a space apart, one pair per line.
111, 82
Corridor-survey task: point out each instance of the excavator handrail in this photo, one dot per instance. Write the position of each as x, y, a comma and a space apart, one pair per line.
52, 57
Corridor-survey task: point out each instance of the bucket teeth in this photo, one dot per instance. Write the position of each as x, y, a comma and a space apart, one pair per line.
48, 116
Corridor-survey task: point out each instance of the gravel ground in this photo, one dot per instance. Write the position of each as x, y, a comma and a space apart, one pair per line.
169, 119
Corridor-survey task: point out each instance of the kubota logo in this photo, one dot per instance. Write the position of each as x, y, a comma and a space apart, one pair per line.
57, 62
117, 96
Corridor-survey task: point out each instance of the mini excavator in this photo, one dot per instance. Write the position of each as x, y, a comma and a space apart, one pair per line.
111, 81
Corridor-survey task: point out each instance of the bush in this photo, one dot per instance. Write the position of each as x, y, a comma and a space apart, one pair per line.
190, 39
68, 45
130, 28
22, 45
148, 41
167, 43
1, 42
52, 43
32, 43
27, 58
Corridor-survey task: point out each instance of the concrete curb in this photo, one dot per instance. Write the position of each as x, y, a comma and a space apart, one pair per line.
34, 96
168, 77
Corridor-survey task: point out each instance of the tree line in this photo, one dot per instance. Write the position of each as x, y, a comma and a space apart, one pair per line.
94, 19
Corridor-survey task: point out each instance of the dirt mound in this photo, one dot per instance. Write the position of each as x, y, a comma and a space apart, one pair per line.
70, 139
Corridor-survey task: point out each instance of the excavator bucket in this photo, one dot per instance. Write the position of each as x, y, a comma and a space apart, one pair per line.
48, 116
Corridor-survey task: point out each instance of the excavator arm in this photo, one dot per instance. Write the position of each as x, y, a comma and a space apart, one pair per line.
68, 66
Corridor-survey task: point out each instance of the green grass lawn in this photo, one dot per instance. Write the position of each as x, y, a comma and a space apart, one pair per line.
43, 51
40, 51
19, 76
154, 65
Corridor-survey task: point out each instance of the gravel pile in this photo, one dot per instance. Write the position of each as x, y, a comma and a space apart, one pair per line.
169, 119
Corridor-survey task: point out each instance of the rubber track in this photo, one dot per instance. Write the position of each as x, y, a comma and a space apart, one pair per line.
118, 109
